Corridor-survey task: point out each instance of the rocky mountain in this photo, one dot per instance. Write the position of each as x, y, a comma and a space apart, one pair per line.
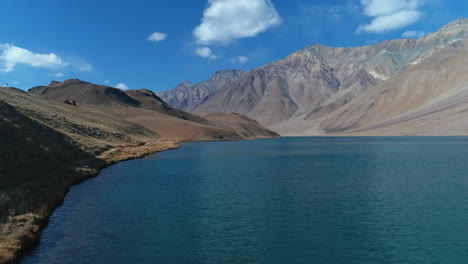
188, 96
295, 95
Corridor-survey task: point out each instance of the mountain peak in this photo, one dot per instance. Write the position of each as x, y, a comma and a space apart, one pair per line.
73, 81
459, 22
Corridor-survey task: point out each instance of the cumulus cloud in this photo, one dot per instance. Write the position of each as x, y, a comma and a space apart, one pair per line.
121, 86
413, 34
390, 15
205, 52
11, 56
239, 59
225, 21
157, 37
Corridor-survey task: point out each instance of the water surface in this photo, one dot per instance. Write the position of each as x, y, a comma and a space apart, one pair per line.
289, 200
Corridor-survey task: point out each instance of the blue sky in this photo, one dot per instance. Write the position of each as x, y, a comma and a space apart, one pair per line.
113, 42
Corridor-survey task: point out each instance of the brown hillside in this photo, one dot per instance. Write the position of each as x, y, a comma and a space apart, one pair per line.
47, 145
83, 93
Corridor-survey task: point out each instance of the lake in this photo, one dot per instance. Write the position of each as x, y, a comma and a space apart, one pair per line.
289, 200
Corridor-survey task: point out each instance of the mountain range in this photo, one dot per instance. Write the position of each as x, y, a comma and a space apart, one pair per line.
396, 87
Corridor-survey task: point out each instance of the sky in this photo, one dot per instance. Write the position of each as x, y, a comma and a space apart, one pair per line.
157, 44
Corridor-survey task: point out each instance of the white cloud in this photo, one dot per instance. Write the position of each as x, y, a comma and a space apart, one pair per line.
390, 15
394, 21
86, 67
106, 81
157, 37
11, 56
225, 21
413, 34
205, 52
239, 59
121, 86
57, 75
15, 82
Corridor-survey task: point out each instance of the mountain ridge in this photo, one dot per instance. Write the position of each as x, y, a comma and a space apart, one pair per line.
146, 108
312, 83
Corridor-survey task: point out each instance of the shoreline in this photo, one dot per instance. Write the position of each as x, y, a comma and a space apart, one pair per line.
22, 242
22, 233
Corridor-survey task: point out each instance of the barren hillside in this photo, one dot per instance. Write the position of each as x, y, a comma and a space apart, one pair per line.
48, 145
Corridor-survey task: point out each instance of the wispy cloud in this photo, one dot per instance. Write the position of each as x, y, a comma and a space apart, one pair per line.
106, 81
205, 52
122, 86
12, 55
313, 13
225, 21
157, 37
57, 75
85, 67
413, 34
390, 15
239, 59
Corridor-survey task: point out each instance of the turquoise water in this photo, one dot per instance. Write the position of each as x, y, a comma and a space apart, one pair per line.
289, 200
